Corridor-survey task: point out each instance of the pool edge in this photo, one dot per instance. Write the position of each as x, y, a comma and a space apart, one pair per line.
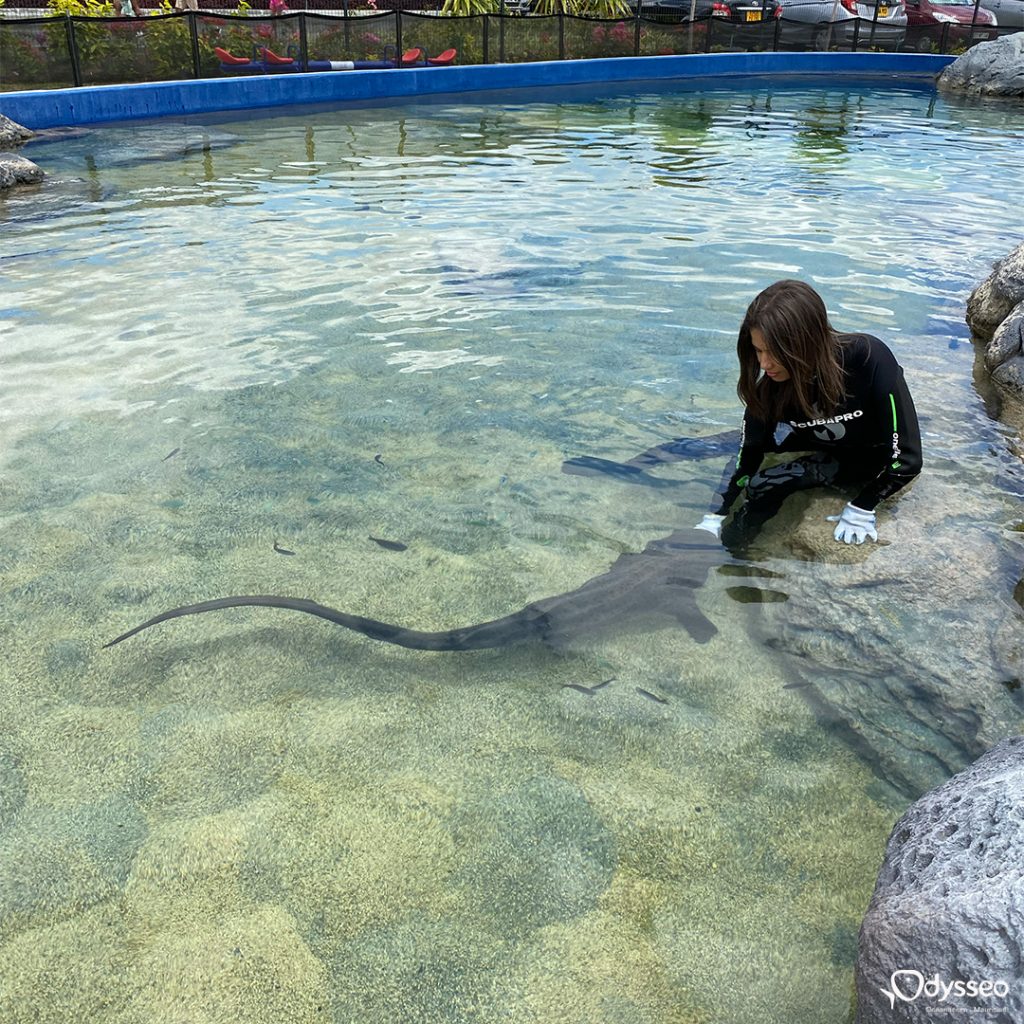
54, 108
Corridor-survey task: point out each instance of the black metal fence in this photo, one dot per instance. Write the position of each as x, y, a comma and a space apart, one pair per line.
57, 52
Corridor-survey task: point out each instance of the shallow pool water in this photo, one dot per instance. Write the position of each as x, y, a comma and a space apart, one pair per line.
236, 351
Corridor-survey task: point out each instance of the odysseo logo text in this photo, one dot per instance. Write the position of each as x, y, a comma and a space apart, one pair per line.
906, 986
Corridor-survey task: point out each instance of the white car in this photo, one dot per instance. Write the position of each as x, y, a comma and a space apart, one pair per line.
1009, 13
829, 24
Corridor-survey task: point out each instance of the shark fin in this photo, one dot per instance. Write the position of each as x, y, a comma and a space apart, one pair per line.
692, 619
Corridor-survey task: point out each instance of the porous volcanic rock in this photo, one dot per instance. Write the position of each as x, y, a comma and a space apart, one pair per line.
948, 906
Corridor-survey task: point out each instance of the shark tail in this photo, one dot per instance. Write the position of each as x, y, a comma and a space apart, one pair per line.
528, 623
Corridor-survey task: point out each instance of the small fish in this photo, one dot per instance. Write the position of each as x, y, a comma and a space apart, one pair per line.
282, 551
756, 595
170, 455
379, 459
651, 696
588, 690
870, 584
390, 545
730, 569
796, 686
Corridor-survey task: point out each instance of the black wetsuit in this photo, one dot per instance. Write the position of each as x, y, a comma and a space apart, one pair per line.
871, 443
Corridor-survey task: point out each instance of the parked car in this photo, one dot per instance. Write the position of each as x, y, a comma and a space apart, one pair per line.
740, 23
744, 23
931, 26
674, 11
1009, 13
827, 24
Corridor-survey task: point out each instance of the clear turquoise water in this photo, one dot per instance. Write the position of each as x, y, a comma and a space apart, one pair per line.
311, 329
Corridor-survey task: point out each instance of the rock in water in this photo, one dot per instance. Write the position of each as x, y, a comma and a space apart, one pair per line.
995, 315
14, 168
948, 906
12, 134
18, 170
994, 68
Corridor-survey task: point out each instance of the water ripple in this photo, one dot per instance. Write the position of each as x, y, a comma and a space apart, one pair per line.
244, 253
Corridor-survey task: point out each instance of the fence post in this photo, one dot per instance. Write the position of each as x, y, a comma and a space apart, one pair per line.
303, 42
193, 42
636, 33
501, 38
874, 25
487, 39
944, 37
775, 34
76, 67
561, 30
398, 37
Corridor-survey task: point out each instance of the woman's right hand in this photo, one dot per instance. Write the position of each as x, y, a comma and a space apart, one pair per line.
712, 524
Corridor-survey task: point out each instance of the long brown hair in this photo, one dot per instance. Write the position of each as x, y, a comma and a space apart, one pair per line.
793, 320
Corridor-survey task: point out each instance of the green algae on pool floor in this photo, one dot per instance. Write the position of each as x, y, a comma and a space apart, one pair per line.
445, 842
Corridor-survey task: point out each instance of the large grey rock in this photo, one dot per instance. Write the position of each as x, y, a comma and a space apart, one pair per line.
1008, 275
990, 303
1004, 355
18, 170
995, 315
12, 134
995, 68
14, 168
948, 906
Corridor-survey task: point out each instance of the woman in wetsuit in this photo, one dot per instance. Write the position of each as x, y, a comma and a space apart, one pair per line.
840, 398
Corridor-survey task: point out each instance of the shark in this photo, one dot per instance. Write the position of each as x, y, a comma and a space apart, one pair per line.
658, 583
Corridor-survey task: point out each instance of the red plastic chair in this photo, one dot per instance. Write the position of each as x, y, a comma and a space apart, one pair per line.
412, 57
272, 58
229, 58
443, 59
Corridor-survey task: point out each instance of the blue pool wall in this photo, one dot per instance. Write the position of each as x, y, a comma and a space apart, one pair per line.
54, 108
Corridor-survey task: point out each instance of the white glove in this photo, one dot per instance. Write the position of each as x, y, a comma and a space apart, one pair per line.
854, 525
711, 523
